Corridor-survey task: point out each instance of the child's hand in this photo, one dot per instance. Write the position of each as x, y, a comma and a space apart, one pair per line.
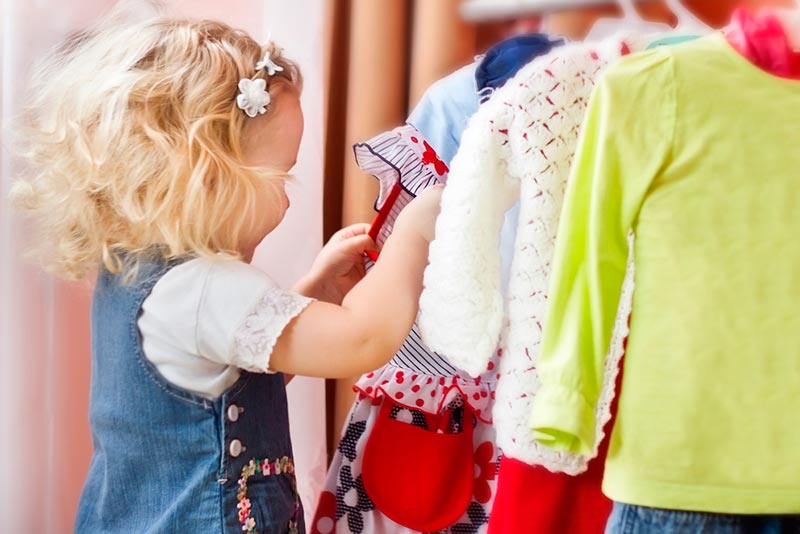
339, 266
421, 213
364, 332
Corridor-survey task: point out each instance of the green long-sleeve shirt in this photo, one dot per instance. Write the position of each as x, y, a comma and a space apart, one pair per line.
698, 152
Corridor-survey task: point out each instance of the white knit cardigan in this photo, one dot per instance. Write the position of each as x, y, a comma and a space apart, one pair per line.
518, 147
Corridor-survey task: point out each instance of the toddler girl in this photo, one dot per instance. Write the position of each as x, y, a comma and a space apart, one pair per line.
161, 149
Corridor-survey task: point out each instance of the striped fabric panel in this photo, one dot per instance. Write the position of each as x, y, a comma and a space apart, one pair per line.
415, 356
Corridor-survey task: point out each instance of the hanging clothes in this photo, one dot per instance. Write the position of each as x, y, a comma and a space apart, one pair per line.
707, 411
530, 499
444, 110
503, 61
420, 408
405, 164
518, 146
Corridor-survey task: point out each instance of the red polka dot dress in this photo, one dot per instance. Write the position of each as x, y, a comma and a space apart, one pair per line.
418, 452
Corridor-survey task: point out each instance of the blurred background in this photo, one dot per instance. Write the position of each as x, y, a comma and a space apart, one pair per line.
45, 444
365, 63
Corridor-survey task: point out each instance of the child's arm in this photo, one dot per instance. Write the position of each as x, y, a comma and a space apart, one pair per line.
338, 268
370, 325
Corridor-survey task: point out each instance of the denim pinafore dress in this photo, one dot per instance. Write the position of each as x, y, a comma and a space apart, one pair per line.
166, 460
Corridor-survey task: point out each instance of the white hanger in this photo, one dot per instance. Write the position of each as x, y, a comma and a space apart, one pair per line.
631, 21
688, 23
629, 11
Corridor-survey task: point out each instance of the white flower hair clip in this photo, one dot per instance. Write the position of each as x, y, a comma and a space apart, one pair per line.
267, 63
253, 97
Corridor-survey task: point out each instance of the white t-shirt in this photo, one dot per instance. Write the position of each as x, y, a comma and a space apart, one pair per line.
206, 319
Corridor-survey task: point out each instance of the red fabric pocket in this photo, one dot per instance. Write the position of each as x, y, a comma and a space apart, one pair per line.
420, 479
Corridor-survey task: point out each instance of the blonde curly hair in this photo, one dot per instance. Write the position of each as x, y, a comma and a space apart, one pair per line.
134, 143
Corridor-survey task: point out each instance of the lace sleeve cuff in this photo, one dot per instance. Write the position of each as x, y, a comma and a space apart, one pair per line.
256, 337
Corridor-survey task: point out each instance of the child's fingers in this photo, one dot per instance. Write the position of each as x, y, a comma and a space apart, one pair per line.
351, 231
359, 244
359, 228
